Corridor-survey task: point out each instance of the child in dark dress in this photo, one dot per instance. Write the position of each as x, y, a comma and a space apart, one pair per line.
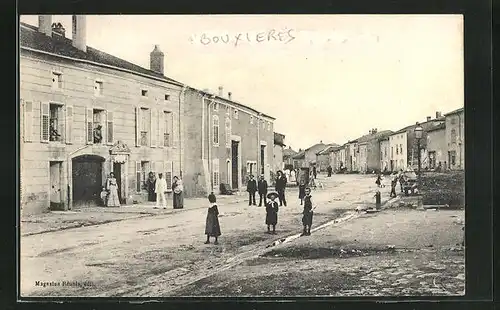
272, 212
212, 227
302, 191
307, 214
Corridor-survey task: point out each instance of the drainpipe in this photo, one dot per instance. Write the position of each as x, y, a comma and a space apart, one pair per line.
258, 142
68, 187
210, 141
181, 98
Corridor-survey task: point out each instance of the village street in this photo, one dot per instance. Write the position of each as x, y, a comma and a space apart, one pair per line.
164, 254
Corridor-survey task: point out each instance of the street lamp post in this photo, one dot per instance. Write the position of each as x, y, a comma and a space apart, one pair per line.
418, 136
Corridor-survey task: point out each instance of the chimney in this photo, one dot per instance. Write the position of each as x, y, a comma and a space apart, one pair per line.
45, 24
229, 95
438, 114
221, 91
156, 60
58, 29
428, 118
79, 32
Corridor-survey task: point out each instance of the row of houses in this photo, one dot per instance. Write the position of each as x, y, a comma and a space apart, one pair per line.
85, 113
441, 146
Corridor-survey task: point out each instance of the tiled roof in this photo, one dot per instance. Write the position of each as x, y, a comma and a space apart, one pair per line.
455, 111
30, 37
377, 135
289, 152
328, 149
437, 127
299, 155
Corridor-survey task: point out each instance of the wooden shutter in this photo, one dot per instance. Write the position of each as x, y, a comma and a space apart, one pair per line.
90, 125
216, 173
161, 130
138, 175
137, 126
228, 132
154, 130
28, 121
44, 121
110, 128
169, 174
175, 130
69, 124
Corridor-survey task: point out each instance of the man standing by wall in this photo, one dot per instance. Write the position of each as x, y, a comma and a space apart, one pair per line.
251, 189
262, 186
160, 189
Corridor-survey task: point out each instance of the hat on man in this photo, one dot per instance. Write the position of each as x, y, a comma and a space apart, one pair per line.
272, 193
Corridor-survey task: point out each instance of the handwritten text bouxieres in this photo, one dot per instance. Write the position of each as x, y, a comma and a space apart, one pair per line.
284, 36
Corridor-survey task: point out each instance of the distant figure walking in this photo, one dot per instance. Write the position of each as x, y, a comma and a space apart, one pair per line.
401, 179
329, 171
394, 182
315, 173
251, 189
280, 187
178, 189
312, 180
379, 180
307, 214
112, 187
272, 212
160, 189
262, 188
212, 227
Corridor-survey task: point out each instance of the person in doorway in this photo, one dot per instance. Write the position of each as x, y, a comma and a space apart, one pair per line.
280, 187
262, 188
302, 191
160, 189
151, 187
272, 212
307, 213
112, 187
178, 188
251, 189
329, 171
212, 226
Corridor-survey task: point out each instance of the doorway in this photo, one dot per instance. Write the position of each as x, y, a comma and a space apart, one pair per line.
117, 171
262, 159
56, 192
87, 179
234, 160
228, 171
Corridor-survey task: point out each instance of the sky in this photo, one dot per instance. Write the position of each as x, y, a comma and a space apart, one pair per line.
328, 78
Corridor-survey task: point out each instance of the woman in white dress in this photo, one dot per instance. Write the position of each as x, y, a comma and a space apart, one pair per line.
112, 188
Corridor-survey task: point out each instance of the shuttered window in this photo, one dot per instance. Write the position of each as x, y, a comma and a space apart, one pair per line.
169, 174
215, 130
137, 126
228, 132
154, 127
28, 121
44, 122
138, 175
69, 124
175, 129
167, 128
90, 126
215, 174
110, 133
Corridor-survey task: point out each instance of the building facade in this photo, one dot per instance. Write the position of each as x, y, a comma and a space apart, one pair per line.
288, 160
227, 142
279, 145
85, 114
436, 147
384, 154
351, 148
398, 147
455, 139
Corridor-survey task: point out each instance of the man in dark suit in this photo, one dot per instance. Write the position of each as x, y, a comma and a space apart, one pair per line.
262, 186
251, 189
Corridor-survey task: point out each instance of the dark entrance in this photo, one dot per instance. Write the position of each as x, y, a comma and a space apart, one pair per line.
262, 153
234, 160
87, 179
117, 171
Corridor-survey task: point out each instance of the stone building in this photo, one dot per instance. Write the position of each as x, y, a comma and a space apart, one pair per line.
288, 160
368, 153
85, 113
308, 157
455, 139
227, 141
385, 154
351, 148
279, 145
436, 146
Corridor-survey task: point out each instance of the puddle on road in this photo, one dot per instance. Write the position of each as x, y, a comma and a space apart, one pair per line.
57, 251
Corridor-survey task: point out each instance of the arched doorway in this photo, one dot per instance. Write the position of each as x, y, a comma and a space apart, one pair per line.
87, 179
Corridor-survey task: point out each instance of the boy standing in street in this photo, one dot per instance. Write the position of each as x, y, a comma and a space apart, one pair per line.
307, 214
272, 212
251, 189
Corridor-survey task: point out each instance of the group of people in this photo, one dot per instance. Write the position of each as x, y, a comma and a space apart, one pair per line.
212, 225
157, 189
261, 187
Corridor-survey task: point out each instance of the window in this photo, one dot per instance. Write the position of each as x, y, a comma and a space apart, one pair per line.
453, 136
235, 114
57, 80
215, 130
452, 158
228, 132
251, 119
169, 174
215, 174
142, 171
167, 97
268, 125
142, 126
216, 106
228, 110
98, 88
263, 124
144, 93
397, 150
385, 151
453, 120
167, 128
28, 121
56, 124
98, 125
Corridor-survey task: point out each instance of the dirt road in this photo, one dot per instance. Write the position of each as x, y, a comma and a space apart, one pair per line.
157, 255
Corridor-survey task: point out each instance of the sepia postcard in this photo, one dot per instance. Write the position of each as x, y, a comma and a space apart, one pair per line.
241, 155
